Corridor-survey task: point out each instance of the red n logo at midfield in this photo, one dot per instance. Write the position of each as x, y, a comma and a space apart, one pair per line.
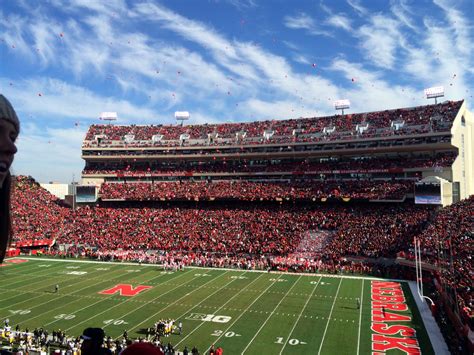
125, 290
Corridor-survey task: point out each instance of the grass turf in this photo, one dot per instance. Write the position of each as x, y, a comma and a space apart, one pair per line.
264, 313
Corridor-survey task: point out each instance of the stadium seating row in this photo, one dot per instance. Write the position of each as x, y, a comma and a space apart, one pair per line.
420, 119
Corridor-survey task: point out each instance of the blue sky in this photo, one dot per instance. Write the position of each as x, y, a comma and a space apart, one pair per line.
64, 62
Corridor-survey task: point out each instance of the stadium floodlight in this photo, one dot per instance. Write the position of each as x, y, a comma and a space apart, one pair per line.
434, 93
108, 116
342, 105
181, 116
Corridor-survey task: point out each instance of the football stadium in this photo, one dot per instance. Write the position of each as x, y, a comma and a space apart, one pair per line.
261, 237
344, 232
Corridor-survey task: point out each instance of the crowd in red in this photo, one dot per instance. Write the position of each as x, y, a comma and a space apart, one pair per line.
256, 191
37, 213
246, 229
254, 235
448, 242
365, 164
324, 237
416, 120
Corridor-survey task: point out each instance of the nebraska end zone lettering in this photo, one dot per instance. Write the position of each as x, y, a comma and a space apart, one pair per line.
388, 330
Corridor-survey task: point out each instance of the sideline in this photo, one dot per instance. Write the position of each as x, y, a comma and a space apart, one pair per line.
358, 277
436, 338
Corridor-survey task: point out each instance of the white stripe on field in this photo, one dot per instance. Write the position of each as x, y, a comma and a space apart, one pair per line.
245, 311
266, 320
230, 299
329, 318
108, 309
162, 309
301, 313
360, 316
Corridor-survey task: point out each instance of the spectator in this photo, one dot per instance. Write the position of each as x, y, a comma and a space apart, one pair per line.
92, 342
9, 130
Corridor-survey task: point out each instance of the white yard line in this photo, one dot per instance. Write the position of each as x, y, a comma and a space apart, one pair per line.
108, 309
31, 274
244, 311
301, 313
75, 311
266, 320
42, 294
230, 299
62, 296
329, 318
220, 268
100, 300
162, 309
360, 315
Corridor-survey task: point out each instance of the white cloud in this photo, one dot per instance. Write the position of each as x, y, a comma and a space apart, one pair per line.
355, 4
380, 40
211, 65
49, 154
299, 58
459, 25
402, 13
303, 21
62, 101
242, 4
271, 110
370, 92
339, 21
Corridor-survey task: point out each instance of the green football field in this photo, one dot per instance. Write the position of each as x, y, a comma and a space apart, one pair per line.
241, 311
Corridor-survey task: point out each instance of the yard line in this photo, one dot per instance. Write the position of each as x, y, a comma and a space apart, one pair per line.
17, 269
75, 311
33, 273
41, 294
230, 299
101, 299
358, 277
55, 281
245, 310
360, 315
162, 309
301, 313
329, 318
266, 320
61, 297
108, 309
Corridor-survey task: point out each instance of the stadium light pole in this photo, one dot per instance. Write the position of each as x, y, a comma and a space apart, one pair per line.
108, 116
73, 194
181, 116
434, 93
342, 105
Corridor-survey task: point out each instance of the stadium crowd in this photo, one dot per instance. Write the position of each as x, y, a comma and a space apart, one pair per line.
324, 166
257, 191
248, 229
448, 242
328, 237
41, 341
419, 119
